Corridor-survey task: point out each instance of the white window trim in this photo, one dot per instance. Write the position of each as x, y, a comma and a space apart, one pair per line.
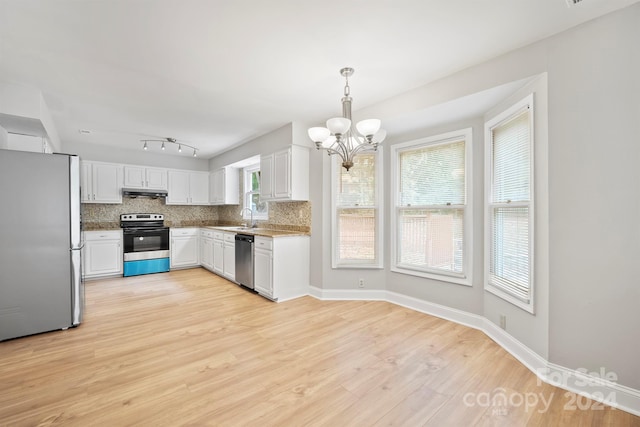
526, 103
465, 278
336, 263
246, 173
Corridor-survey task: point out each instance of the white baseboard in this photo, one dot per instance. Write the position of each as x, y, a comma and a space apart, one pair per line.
588, 385
348, 294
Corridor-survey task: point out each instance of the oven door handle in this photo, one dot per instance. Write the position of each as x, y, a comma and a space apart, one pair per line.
141, 231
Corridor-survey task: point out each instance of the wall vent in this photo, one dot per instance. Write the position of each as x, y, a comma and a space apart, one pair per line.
571, 3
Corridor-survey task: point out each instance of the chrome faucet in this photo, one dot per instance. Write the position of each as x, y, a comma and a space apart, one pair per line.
253, 224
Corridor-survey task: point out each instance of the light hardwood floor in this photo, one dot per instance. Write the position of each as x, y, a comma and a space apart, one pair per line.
190, 348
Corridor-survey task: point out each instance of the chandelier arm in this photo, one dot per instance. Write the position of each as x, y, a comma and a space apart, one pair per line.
331, 151
344, 151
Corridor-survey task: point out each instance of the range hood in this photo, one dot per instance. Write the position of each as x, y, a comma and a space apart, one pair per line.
142, 192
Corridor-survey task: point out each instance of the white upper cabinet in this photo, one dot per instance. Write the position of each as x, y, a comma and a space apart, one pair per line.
284, 175
224, 186
141, 177
266, 177
101, 182
199, 188
188, 188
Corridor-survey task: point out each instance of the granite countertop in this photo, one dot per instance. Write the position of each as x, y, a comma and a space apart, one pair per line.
265, 232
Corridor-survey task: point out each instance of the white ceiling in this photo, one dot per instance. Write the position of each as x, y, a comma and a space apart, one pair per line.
216, 73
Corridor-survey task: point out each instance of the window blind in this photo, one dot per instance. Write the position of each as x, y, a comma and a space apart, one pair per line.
511, 160
509, 206
430, 234
433, 175
356, 212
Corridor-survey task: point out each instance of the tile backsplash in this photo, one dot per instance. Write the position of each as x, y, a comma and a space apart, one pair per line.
108, 216
282, 215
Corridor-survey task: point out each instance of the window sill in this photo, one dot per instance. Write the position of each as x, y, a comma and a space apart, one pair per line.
465, 281
528, 307
357, 266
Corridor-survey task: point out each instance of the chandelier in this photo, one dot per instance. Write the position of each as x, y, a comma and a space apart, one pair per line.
340, 138
169, 141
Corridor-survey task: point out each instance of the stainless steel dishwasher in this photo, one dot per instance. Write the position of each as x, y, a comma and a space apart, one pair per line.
244, 260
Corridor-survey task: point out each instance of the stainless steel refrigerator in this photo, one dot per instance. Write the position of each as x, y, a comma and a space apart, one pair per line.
41, 285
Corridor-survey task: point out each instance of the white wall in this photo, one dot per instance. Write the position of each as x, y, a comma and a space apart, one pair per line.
594, 183
4, 138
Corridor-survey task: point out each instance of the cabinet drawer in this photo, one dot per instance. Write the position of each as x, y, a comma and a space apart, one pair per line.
102, 235
206, 233
218, 235
175, 232
229, 237
264, 243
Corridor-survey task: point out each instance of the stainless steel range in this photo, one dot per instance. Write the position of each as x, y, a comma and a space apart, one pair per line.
146, 244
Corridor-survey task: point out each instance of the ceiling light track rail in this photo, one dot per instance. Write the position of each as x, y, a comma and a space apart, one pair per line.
166, 141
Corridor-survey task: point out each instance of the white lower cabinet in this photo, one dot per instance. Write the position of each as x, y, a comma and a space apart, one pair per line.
263, 277
229, 261
184, 247
224, 254
218, 253
206, 249
281, 266
102, 253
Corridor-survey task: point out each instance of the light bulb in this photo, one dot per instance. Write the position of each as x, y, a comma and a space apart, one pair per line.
145, 147
162, 146
194, 153
179, 148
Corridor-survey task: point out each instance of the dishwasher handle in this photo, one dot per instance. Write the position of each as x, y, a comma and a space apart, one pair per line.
244, 238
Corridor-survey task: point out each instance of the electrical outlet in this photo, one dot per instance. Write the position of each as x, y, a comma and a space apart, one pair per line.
361, 283
503, 321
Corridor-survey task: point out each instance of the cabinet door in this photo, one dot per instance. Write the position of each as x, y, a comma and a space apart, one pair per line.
282, 174
266, 177
201, 252
262, 263
102, 257
184, 251
156, 179
218, 257
178, 188
199, 188
86, 183
206, 253
134, 177
230, 260
107, 183
216, 187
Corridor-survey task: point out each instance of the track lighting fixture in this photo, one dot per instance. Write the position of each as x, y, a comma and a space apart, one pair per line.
166, 141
